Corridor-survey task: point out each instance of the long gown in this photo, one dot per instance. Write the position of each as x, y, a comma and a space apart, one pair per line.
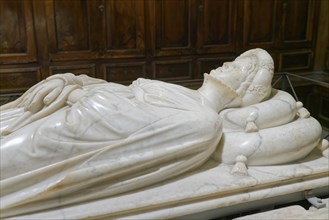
115, 139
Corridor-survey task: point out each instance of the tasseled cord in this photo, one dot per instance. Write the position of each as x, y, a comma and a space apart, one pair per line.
324, 147
251, 123
302, 112
240, 166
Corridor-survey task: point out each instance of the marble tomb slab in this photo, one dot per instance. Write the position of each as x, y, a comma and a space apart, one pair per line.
211, 186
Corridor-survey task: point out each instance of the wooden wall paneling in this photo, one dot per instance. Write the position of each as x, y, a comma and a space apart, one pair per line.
17, 42
296, 61
71, 29
321, 60
13, 80
173, 69
177, 41
149, 30
259, 24
124, 72
77, 69
124, 29
216, 26
41, 36
297, 22
173, 24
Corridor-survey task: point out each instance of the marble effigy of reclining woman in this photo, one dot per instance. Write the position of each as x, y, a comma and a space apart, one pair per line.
70, 134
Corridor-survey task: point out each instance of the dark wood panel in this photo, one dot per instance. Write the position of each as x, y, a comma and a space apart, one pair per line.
296, 23
70, 30
295, 60
125, 31
259, 22
124, 72
41, 36
176, 40
173, 23
297, 18
88, 69
321, 50
172, 69
16, 32
18, 79
216, 26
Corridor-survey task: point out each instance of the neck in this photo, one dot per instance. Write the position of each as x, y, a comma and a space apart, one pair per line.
217, 95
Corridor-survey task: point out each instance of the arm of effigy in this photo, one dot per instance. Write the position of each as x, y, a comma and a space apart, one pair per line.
85, 81
45, 98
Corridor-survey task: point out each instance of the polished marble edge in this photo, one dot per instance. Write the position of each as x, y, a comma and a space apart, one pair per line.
179, 210
199, 192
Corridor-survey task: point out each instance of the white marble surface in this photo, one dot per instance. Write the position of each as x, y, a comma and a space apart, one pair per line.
73, 141
210, 187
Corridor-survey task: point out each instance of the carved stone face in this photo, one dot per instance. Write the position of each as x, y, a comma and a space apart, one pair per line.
233, 74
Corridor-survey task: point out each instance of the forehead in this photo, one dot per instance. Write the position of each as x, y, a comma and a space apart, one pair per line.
247, 58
